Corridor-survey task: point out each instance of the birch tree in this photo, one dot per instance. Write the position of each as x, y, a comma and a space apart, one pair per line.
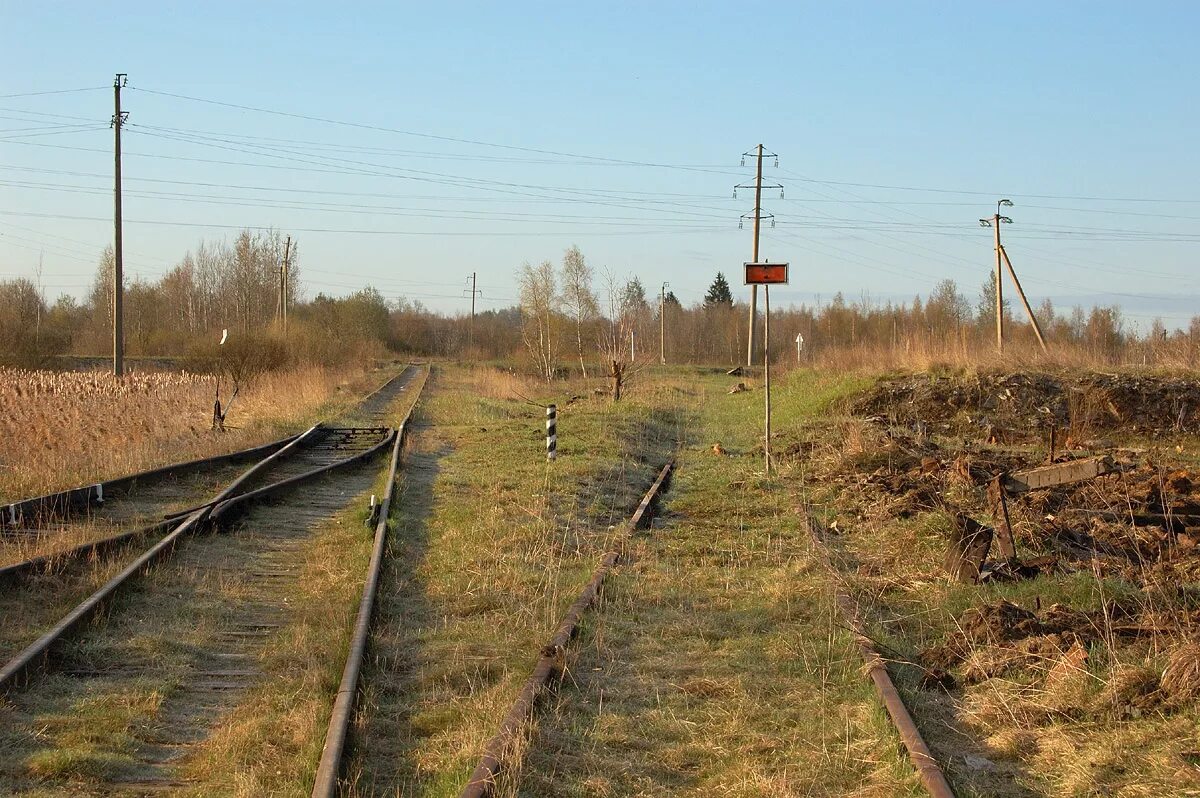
578, 299
537, 297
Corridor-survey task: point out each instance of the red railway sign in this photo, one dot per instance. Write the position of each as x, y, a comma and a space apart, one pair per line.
766, 273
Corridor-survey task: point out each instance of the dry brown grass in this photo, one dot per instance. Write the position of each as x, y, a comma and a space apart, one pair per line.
951, 353
504, 384
61, 429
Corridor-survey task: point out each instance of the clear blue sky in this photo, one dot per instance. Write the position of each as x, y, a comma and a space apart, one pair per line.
1089, 105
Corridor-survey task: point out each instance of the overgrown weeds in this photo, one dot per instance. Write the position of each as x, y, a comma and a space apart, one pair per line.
1075, 681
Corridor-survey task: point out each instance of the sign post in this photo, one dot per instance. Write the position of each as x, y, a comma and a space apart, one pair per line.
766, 275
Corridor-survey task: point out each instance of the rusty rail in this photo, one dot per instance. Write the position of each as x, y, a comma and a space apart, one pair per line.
329, 766
928, 770
12, 513
343, 705
549, 663
62, 502
11, 670
46, 562
222, 508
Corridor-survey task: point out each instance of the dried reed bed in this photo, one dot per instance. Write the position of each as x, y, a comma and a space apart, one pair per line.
504, 384
1021, 353
61, 429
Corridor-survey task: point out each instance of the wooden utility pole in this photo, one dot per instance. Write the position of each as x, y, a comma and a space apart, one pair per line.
662, 325
279, 293
754, 256
1002, 256
995, 223
1037, 330
757, 153
471, 329
999, 290
118, 308
767, 376
283, 283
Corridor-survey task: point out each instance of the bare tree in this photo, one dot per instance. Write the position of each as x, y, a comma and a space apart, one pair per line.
537, 316
578, 298
624, 312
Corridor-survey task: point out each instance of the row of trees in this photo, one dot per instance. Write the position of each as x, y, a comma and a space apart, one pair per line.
568, 317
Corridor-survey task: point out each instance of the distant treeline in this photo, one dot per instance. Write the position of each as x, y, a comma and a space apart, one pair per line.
564, 320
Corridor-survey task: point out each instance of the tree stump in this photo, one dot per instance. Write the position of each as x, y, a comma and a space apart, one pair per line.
968, 548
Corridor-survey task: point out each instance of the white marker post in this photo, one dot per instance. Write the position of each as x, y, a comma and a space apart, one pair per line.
766, 275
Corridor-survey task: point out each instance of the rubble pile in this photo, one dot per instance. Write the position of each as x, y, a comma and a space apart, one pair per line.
1021, 407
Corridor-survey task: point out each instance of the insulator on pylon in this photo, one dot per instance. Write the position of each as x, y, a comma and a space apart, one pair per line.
772, 221
776, 161
739, 224
735, 193
743, 160
781, 193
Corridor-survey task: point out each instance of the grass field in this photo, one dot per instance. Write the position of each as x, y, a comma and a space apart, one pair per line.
715, 663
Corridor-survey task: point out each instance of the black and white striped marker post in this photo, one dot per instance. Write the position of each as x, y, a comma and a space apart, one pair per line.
551, 432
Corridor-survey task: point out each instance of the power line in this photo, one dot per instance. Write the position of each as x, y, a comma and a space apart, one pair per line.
357, 231
331, 192
53, 91
384, 210
457, 140
990, 193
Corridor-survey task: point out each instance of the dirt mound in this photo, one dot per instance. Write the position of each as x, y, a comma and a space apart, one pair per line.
995, 637
999, 622
1017, 407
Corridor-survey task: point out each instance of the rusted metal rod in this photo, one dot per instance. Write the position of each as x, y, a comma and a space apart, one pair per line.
32, 652
549, 663
48, 562
928, 770
551, 660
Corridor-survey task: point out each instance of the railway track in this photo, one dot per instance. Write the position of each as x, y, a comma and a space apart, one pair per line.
83, 522
548, 665
49, 527
502, 750
228, 590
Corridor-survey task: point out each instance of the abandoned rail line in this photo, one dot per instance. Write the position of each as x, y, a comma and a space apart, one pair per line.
229, 591
258, 549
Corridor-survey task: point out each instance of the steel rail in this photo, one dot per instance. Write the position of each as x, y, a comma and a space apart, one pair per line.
549, 663
11, 513
19, 663
385, 385
222, 511
44, 563
343, 706
928, 770
329, 765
